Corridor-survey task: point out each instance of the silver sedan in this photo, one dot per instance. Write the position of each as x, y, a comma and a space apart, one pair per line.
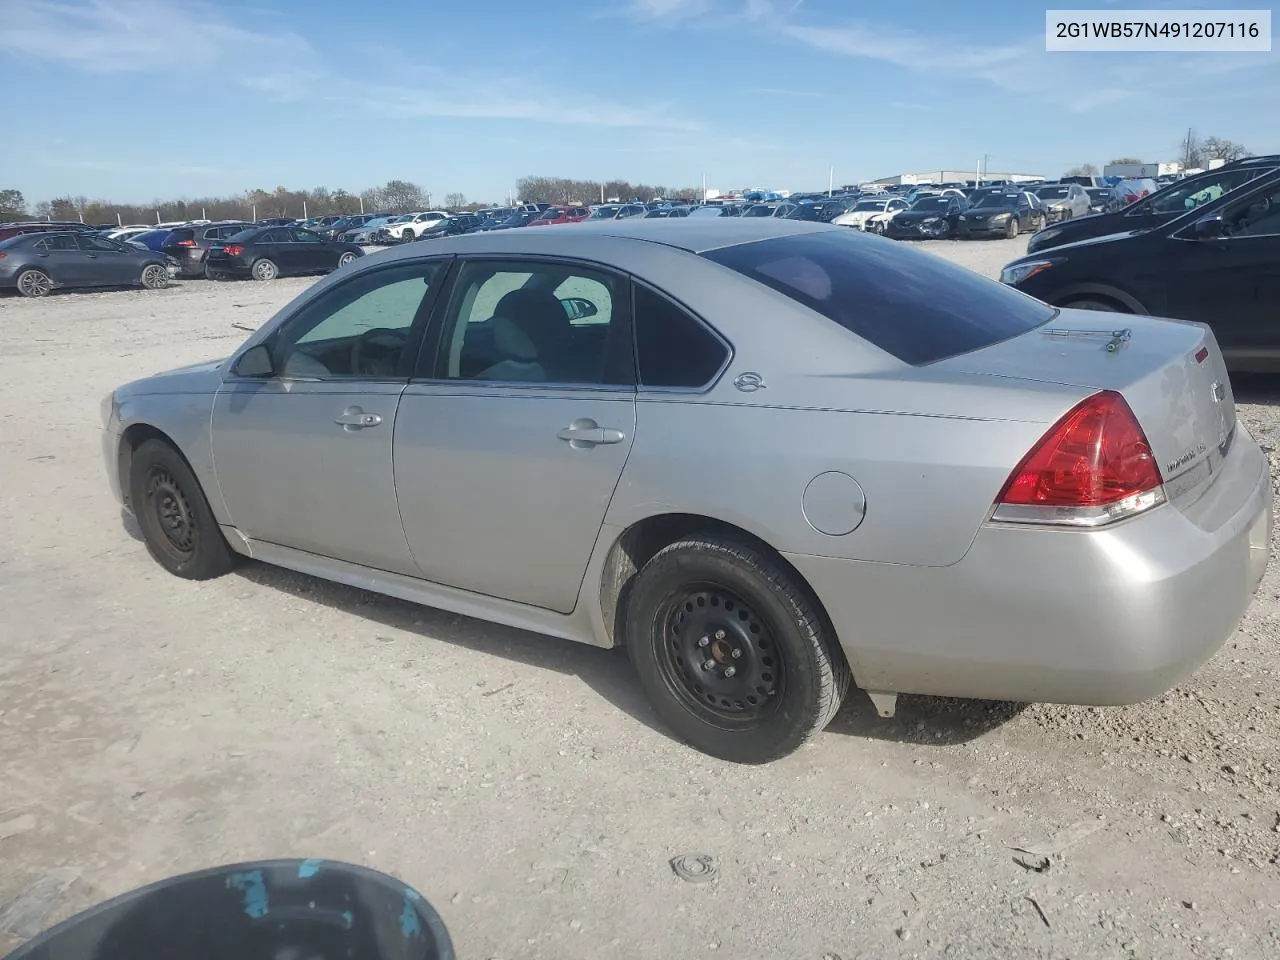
768, 457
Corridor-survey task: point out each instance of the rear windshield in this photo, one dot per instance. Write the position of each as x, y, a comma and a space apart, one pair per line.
915, 306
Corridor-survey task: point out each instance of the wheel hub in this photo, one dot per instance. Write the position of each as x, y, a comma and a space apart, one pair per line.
172, 511
721, 655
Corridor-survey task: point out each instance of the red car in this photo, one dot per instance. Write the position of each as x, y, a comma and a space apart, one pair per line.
560, 215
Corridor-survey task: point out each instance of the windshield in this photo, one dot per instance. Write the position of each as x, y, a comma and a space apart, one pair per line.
552, 214
1052, 193
806, 211
604, 213
759, 210
998, 200
931, 203
868, 205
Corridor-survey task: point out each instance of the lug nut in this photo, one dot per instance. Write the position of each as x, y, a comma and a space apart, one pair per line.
729, 671
703, 641
708, 664
719, 634
737, 652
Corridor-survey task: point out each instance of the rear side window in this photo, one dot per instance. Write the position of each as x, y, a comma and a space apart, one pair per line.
913, 305
673, 348
183, 233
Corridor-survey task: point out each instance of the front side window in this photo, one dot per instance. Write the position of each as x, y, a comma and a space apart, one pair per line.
917, 307
359, 328
1259, 217
535, 323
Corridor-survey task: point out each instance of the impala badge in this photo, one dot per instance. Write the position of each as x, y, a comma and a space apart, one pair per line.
749, 382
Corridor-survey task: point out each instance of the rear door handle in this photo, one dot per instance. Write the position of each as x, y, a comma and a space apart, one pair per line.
353, 418
588, 433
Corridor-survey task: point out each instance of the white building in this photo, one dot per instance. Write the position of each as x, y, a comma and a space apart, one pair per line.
953, 176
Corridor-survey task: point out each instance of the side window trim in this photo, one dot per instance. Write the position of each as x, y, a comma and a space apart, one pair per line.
637, 283
413, 347
433, 342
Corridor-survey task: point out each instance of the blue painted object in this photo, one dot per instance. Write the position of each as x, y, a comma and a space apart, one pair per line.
318, 909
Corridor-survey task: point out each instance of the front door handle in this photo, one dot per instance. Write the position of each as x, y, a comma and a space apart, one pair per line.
353, 418
588, 433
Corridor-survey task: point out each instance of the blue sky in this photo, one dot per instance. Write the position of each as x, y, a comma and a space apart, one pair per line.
140, 99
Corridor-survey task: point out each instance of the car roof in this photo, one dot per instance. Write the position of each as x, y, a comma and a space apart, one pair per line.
609, 240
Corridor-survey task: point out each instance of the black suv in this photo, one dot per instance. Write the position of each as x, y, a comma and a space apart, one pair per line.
1217, 264
1160, 207
190, 245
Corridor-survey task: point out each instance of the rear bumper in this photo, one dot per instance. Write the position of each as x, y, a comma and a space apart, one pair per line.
227, 265
1088, 617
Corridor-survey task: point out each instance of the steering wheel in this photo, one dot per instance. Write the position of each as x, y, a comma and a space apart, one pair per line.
376, 352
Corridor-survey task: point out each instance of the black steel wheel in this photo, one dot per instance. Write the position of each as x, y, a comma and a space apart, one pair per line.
178, 527
720, 658
732, 650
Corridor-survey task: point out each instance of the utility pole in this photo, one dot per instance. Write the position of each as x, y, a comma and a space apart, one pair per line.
831, 181
361, 199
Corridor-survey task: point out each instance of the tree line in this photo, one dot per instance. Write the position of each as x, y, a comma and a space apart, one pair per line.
1193, 153
395, 196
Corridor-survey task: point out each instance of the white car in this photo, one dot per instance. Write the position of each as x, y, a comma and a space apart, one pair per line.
414, 224
872, 213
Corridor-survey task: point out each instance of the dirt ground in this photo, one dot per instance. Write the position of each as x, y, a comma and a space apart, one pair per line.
150, 726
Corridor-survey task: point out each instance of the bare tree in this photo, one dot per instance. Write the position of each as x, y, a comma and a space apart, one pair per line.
455, 201
12, 205
1219, 148
403, 196
1127, 160
1083, 170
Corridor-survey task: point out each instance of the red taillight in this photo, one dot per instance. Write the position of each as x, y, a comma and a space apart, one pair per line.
233, 250
3, 254
1093, 466
185, 243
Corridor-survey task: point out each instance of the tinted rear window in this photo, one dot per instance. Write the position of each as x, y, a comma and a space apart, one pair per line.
182, 233
913, 305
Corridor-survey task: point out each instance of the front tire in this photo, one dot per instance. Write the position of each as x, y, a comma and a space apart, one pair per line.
34, 283
1012, 230
178, 527
406, 235
155, 277
265, 270
734, 654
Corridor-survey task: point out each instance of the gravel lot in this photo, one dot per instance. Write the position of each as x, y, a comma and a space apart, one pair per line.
150, 726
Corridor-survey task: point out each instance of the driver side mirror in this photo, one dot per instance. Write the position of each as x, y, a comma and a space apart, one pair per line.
1212, 227
578, 308
255, 363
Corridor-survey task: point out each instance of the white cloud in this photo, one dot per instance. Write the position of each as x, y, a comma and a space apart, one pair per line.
155, 36
668, 11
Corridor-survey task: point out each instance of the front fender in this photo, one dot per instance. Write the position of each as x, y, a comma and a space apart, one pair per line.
184, 418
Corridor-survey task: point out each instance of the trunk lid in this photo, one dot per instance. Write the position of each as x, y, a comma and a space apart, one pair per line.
1170, 372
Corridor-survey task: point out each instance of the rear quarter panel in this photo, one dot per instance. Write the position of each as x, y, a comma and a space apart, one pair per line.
930, 449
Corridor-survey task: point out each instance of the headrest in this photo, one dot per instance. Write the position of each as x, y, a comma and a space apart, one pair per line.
511, 341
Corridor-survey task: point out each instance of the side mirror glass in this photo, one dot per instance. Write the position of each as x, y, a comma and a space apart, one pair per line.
1209, 228
578, 308
255, 363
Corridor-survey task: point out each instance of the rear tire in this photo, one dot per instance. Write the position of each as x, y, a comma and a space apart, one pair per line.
265, 270
346, 258
734, 654
178, 527
34, 283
